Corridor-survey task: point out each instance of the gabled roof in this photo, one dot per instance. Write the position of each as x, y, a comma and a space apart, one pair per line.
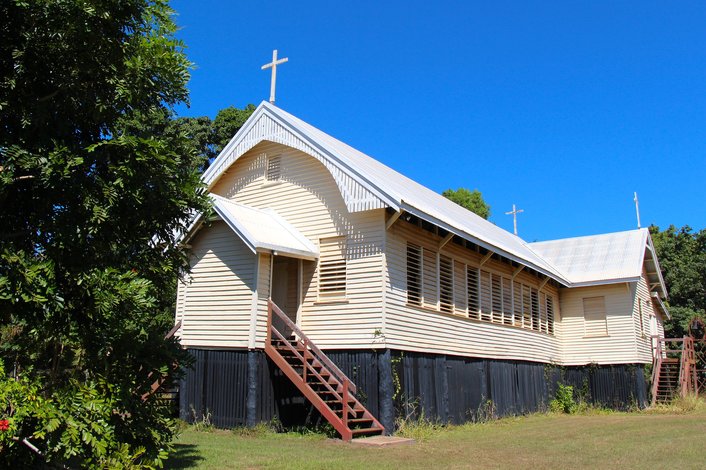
604, 259
264, 230
390, 187
366, 183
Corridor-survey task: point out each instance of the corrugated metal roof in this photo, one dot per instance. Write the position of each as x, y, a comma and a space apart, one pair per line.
609, 257
264, 229
419, 200
596, 259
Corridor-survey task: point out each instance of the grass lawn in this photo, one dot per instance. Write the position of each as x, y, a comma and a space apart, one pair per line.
614, 440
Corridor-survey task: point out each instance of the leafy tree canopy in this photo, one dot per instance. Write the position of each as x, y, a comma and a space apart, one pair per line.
471, 200
210, 136
682, 255
93, 196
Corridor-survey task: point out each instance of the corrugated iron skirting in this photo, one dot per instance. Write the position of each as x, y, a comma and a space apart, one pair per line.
391, 384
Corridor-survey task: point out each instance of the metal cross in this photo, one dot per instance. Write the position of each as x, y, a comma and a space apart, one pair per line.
637, 210
273, 65
514, 213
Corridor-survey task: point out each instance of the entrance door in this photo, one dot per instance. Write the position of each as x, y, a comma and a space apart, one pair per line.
285, 285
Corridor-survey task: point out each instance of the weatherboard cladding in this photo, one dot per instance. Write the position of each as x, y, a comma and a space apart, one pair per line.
618, 345
643, 333
216, 305
307, 197
411, 328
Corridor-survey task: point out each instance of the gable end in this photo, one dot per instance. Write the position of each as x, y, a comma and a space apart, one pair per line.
263, 127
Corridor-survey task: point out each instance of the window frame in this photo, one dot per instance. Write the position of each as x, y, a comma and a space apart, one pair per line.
335, 276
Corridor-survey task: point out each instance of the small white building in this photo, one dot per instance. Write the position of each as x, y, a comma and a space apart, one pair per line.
416, 299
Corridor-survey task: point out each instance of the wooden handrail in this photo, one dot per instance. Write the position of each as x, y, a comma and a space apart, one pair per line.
317, 353
173, 331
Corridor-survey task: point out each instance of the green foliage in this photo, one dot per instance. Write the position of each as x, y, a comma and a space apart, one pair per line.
564, 400
682, 256
420, 428
94, 193
471, 200
208, 137
78, 425
680, 405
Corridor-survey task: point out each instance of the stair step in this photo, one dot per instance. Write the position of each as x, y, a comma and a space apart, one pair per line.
339, 402
360, 420
366, 430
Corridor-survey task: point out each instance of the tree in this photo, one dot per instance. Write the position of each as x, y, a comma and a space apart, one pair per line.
682, 256
93, 198
208, 136
471, 200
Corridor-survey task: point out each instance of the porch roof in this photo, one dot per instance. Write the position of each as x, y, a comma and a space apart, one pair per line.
264, 229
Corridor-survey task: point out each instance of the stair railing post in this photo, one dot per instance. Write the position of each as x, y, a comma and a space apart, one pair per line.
269, 323
345, 402
684, 368
306, 359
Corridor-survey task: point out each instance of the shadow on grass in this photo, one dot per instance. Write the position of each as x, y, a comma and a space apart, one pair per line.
184, 456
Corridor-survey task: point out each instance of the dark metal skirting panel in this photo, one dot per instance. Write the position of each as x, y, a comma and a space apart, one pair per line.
447, 389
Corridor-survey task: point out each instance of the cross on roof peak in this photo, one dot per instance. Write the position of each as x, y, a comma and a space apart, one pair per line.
273, 65
514, 213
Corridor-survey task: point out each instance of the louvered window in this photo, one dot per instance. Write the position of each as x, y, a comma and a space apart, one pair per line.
543, 312
460, 290
550, 313
594, 315
517, 302
642, 320
535, 309
414, 274
526, 307
446, 291
430, 279
486, 306
274, 168
332, 268
507, 301
473, 292
496, 285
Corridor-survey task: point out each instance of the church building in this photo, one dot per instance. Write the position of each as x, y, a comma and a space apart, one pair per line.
329, 285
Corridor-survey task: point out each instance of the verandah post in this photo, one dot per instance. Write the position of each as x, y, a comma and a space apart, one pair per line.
386, 391
251, 399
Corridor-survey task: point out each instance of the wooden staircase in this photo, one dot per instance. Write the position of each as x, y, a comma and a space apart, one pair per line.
674, 370
159, 381
317, 377
666, 386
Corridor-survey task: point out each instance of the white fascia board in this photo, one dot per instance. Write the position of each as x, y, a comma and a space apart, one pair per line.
603, 282
285, 251
431, 219
663, 307
658, 268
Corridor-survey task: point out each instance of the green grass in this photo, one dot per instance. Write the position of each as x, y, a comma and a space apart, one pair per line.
665, 438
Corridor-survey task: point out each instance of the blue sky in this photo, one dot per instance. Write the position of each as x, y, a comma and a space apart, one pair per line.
563, 108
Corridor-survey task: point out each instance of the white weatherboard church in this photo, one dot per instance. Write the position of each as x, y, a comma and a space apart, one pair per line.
389, 286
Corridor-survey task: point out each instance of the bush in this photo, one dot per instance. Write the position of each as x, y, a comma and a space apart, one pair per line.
564, 401
80, 425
